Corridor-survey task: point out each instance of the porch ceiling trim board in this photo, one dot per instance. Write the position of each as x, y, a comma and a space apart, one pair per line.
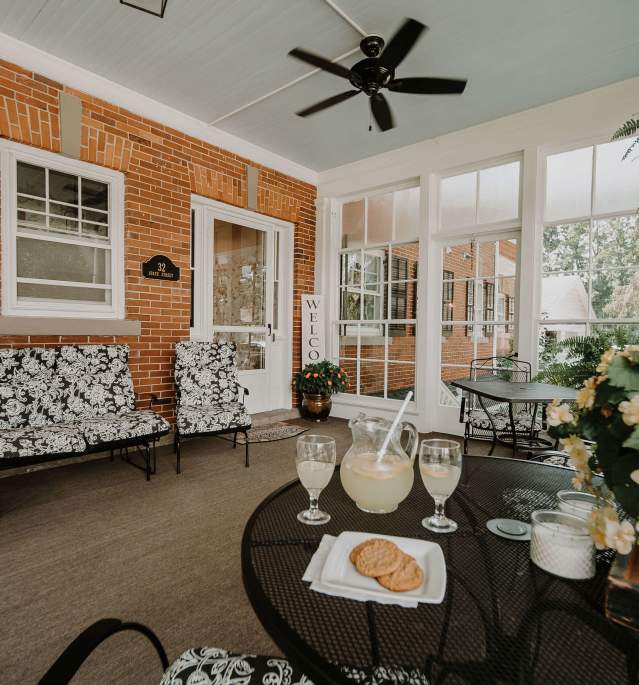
74, 76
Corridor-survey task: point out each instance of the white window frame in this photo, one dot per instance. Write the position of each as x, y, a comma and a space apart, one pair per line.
370, 331
10, 154
591, 218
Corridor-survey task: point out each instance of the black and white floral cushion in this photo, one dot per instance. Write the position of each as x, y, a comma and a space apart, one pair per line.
479, 419
206, 373
104, 393
23, 364
40, 442
191, 420
116, 427
212, 666
88, 360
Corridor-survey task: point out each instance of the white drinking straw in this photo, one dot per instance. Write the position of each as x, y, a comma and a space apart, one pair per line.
396, 420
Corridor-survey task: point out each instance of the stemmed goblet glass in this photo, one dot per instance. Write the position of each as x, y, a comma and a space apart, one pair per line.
315, 465
440, 463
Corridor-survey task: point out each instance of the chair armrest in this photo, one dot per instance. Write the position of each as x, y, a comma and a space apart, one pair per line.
245, 393
69, 662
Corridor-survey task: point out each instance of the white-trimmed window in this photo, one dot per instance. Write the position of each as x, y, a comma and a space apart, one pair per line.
590, 262
377, 309
62, 236
480, 208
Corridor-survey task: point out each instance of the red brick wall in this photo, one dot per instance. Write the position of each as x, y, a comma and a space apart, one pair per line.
162, 167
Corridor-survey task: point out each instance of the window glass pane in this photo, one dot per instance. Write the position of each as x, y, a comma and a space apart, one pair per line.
565, 296
373, 306
566, 247
94, 230
372, 343
460, 259
238, 275
550, 334
250, 349
351, 268
568, 184
615, 294
506, 292
31, 179
31, 203
458, 200
498, 193
63, 225
380, 218
63, 293
374, 267
401, 342
616, 181
507, 257
401, 380
95, 194
348, 342
350, 305
31, 220
407, 214
353, 224
457, 348
504, 341
371, 378
63, 210
448, 395
63, 187
96, 217
350, 366
629, 331
405, 262
615, 242
62, 261
487, 258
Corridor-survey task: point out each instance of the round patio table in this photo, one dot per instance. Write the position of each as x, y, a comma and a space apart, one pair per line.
503, 620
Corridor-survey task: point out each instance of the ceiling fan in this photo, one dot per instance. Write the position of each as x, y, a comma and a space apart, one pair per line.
377, 71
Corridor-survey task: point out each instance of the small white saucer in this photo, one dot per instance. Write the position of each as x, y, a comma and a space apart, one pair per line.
510, 529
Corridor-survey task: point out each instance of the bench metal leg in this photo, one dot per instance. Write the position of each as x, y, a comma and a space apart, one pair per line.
178, 465
246, 445
235, 440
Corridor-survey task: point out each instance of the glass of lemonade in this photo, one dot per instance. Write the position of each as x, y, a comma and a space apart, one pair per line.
315, 465
440, 464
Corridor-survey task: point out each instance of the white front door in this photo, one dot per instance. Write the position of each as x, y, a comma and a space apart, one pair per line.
242, 294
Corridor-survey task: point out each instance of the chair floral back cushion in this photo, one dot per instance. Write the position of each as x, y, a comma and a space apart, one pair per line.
206, 373
40, 387
22, 365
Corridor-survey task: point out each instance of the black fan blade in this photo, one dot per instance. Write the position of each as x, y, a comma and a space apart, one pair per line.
428, 86
320, 62
381, 112
329, 102
401, 43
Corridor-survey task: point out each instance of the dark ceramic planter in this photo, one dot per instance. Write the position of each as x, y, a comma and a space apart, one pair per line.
316, 407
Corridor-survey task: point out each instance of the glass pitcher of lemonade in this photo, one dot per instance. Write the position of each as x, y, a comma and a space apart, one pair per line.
377, 483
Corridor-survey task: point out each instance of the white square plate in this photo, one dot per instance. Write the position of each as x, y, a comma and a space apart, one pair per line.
339, 572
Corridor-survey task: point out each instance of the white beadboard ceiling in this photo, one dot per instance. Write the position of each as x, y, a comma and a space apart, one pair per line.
208, 58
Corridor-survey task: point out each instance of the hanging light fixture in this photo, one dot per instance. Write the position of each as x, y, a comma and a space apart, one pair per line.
155, 7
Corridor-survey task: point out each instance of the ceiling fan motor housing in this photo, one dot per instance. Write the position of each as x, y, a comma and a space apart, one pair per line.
368, 74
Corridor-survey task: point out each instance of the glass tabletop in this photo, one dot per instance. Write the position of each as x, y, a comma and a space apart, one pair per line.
502, 620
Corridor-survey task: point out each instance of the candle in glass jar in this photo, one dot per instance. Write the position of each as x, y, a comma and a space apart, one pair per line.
560, 544
577, 503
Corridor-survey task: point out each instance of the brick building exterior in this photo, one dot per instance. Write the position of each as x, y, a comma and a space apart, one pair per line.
162, 167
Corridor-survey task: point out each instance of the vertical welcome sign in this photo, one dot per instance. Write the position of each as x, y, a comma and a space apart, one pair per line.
313, 349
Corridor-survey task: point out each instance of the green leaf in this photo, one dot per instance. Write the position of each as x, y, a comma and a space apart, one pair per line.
622, 375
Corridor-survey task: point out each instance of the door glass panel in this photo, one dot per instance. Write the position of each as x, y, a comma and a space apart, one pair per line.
251, 349
239, 275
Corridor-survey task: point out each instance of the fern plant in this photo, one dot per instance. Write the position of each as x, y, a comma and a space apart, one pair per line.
630, 128
571, 361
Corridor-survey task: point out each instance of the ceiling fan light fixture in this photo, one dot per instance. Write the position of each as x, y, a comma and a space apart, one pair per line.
154, 7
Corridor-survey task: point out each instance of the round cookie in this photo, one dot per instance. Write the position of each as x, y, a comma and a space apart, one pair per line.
409, 576
378, 558
358, 548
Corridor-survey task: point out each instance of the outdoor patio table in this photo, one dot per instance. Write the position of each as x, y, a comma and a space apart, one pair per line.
517, 393
503, 620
